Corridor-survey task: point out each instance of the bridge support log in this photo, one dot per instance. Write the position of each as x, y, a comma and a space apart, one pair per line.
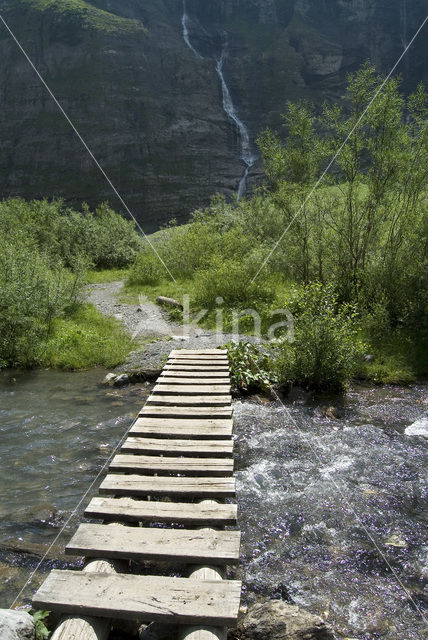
88, 627
205, 573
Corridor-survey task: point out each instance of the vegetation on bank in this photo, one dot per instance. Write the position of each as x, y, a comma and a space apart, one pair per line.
350, 255
347, 256
45, 252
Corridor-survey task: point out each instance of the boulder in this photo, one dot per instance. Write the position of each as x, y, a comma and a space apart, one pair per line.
109, 379
121, 380
277, 620
16, 625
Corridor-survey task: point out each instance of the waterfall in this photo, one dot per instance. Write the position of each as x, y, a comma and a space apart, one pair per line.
403, 22
246, 154
186, 36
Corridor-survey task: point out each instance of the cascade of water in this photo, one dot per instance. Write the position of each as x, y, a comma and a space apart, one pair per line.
186, 36
246, 153
403, 21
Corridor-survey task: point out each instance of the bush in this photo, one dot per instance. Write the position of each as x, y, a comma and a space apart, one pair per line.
103, 239
232, 281
250, 368
147, 269
116, 241
33, 292
326, 349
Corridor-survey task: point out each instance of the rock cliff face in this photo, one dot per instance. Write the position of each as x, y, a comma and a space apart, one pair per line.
151, 109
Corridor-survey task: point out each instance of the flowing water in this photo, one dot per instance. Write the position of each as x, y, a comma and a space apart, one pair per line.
246, 153
57, 430
332, 492
333, 507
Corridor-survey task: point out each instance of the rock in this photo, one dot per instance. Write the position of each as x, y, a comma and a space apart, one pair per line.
40, 513
368, 357
277, 620
395, 541
16, 625
121, 380
34, 550
142, 375
329, 412
109, 379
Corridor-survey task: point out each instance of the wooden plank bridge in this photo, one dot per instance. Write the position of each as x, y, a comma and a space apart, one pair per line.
163, 500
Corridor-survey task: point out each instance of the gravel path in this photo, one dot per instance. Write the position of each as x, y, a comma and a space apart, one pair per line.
147, 320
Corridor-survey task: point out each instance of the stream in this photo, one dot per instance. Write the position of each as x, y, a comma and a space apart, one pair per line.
331, 492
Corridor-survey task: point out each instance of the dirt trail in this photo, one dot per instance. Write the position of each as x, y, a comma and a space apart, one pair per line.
147, 320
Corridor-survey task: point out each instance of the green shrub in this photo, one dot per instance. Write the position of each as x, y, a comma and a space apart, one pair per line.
116, 241
103, 239
147, 269
33, 292
326, 348
232, 281
250, 368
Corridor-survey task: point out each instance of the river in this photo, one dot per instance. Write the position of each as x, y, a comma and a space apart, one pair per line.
331, 491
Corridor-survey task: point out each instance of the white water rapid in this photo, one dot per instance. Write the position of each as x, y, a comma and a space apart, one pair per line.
246, 154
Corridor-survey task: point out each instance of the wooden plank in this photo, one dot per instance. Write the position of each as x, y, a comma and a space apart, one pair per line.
158, 598
131, 510
138, 485
186, 412
194, 389
174, 446
190, 372
159, 464
207, 364
199, 352
189, 401
199, 358
183, 427
183, 381
155, 544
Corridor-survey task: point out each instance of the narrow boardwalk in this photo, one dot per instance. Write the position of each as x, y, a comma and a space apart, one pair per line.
163, 501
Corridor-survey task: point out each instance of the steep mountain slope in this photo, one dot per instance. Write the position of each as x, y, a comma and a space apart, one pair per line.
152, 110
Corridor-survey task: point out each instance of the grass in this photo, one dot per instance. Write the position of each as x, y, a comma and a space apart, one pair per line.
94, 276
84, 339
131, 293
397, 360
